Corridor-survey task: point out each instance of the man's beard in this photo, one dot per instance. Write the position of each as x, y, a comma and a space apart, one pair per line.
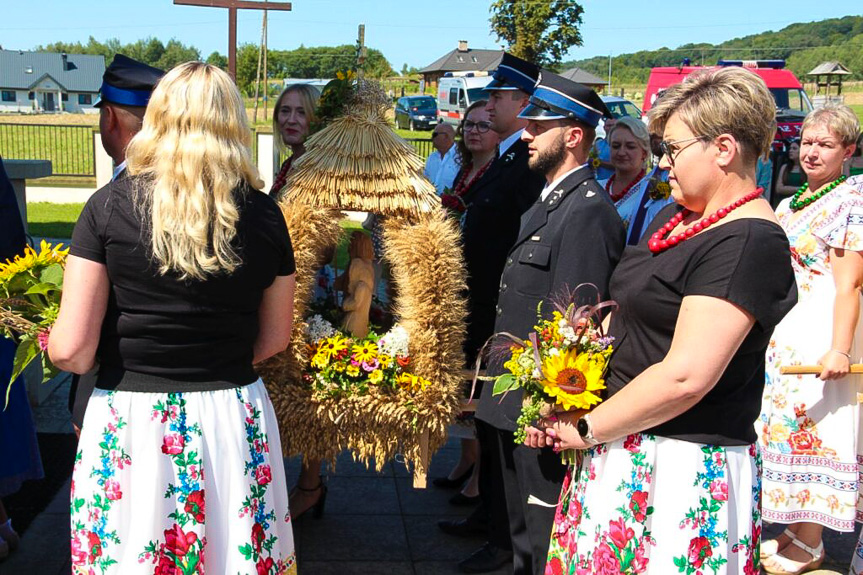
547, 161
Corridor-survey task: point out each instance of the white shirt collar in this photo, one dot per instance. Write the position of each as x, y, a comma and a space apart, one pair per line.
507, 143
549, 187
118, 169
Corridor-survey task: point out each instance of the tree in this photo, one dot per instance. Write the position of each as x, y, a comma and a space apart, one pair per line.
218, 60
539, 31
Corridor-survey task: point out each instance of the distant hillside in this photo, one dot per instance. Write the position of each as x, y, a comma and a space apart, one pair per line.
803, 46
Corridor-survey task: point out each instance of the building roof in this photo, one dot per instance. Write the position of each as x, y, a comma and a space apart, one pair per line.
22, 70
829, 69
465, 61
583, 77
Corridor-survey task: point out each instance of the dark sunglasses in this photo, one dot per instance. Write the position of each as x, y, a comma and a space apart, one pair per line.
436, 134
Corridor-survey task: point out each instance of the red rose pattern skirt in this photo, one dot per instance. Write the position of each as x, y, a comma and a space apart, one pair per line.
655, 505
181, 484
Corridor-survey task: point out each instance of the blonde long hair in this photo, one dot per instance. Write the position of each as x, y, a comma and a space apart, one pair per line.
192, 153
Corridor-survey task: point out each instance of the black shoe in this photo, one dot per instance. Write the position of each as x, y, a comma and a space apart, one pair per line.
447, 483
487, 558
463, 528
462, 500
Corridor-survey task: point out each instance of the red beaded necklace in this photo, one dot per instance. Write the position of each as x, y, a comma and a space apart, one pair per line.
461, 186
617, 197
658, 243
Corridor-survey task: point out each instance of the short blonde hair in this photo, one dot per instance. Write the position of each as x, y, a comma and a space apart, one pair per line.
193, 154
729, 100
636, 128
309, 96
838, 118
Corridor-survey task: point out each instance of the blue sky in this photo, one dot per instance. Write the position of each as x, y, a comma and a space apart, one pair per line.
407, 31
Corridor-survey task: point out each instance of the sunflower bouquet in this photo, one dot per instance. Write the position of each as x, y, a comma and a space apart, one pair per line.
30, 288
346, 366
560, 367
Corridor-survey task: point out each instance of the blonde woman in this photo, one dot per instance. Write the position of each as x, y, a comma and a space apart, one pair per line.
631, 187
809, 424
293, 116
181, 279
669, 482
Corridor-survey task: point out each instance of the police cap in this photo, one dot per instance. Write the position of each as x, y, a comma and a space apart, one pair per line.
556, 98
128, 82
514, 74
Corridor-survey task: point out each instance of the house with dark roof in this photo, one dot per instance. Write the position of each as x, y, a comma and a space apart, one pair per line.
584, 77
462, 59
49, 82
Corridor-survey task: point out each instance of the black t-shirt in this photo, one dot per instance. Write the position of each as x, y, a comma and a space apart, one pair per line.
746, 262
168, 330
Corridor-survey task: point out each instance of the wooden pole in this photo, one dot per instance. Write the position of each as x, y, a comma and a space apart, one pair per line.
258, 73
232, 43
813, 369
361, 51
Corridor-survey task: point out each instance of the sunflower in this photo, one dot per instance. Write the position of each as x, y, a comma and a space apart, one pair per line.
572, 378
320, 360
365, 352
333, 346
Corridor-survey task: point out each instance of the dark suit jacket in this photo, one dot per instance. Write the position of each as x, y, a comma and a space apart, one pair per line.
495, 206
12, 238
575, 236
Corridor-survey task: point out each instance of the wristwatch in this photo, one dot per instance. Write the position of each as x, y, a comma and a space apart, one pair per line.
585, 430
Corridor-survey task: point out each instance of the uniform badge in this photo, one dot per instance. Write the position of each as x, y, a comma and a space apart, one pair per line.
509, 157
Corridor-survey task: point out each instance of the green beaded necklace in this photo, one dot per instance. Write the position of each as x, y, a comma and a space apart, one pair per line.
797, 204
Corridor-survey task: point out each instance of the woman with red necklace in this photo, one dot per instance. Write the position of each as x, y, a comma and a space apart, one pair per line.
630, 186
809, 424
477, 149
293, 115
669, 479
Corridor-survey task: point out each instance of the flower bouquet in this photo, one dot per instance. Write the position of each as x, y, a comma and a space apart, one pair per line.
560, 366
345, 366
30, 288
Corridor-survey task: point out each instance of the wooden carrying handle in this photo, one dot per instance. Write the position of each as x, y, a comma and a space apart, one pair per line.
813, 369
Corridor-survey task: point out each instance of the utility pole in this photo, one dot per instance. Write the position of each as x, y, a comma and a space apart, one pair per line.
258, 73
266, 75
361, 51
608, 90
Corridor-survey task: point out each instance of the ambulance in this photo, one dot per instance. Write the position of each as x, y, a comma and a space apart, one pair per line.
458, 90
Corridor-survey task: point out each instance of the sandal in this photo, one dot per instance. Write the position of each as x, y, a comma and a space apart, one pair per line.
780, 565
771, 546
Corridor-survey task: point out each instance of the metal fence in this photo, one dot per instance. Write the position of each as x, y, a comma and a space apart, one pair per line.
69, 147
423, 146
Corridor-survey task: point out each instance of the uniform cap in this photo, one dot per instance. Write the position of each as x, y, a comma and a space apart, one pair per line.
128, 82
514, 74
556, 98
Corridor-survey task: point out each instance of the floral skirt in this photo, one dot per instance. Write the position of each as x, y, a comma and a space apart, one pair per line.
655, 505
181, 484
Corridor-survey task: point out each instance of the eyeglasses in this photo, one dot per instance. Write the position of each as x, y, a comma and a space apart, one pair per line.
672, 149
436, 134
480, 127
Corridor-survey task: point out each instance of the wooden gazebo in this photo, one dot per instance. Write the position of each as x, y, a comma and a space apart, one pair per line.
827, 75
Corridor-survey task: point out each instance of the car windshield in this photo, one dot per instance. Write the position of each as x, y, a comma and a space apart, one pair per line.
620, 109
474, 94
422, 103
791, 100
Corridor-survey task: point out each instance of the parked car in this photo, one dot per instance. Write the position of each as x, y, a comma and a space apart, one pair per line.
619, 107
416, 113
458, 90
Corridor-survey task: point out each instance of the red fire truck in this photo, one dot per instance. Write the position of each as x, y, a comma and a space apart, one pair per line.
792, 103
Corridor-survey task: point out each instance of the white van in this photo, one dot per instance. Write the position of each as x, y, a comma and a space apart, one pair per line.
458, 90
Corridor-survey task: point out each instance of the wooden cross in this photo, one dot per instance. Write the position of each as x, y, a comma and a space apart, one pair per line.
233, 6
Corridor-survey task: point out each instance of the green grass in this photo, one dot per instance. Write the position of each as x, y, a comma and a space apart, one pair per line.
49, 220
858, 109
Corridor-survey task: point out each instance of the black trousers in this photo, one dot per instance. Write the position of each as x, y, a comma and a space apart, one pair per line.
492, 510
529, 473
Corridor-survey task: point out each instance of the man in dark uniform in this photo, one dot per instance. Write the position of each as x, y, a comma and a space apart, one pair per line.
570, 236
126, 89
495, 205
